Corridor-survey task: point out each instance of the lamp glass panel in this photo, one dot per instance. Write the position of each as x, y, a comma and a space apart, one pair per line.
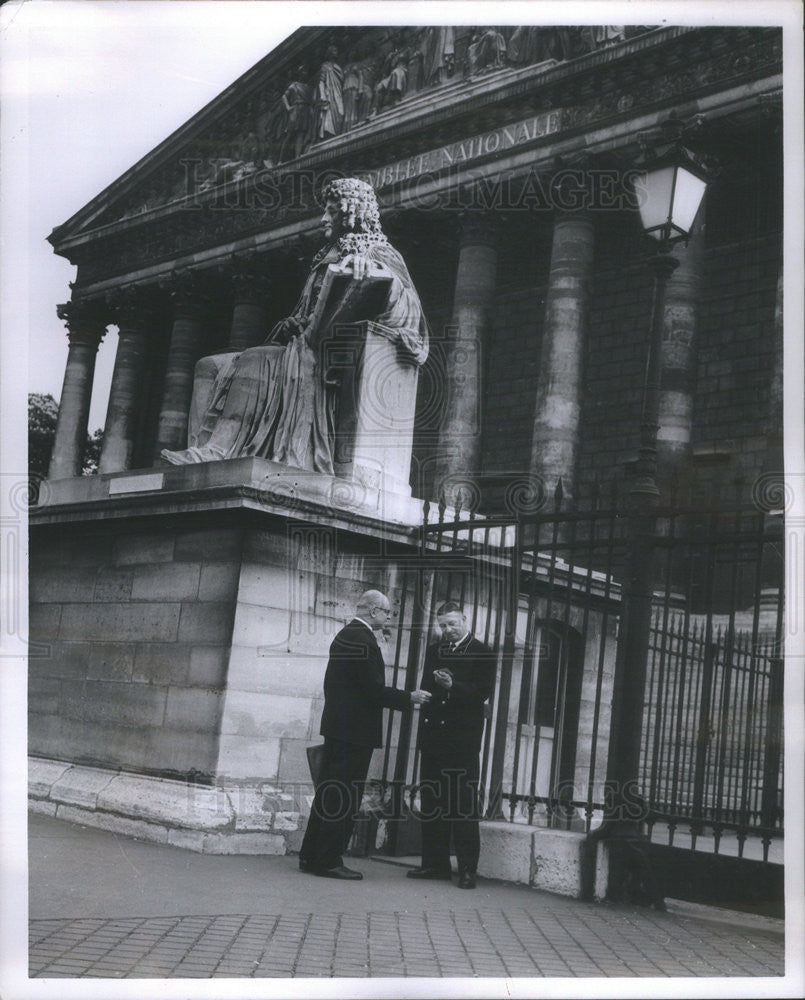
688, 196
655, 197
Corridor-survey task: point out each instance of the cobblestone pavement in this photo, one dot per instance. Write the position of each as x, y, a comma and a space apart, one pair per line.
102, 905
561, 939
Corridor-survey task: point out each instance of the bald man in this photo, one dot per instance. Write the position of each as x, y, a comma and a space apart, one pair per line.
352, 726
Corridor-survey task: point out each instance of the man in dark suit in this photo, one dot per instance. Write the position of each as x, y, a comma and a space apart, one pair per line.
352, 726
460, 673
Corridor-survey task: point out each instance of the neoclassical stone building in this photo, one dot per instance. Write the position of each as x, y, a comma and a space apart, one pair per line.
186, 610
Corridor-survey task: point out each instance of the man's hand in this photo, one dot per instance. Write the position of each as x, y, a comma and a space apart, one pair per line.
420, 697
443, 678
361, 265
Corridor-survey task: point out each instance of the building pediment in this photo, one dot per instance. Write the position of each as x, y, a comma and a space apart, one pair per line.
393, 104
275, 111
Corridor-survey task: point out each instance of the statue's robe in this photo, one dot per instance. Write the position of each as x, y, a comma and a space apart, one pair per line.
439, 47
329, 101
273, 401
536, 43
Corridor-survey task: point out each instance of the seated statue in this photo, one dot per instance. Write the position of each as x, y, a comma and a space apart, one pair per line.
276, 401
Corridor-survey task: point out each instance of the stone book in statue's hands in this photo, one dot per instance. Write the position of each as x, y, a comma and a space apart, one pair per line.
345, 301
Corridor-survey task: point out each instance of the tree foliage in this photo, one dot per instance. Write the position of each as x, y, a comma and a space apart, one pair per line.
43, 412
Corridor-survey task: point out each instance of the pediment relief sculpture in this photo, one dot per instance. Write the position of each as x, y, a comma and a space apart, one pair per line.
343, 86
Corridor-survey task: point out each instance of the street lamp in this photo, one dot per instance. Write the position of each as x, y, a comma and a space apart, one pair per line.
669, 191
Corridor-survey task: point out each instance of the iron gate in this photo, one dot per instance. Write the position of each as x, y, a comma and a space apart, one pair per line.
542, 589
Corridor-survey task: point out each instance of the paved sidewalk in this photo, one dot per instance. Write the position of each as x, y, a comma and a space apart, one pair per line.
107, 906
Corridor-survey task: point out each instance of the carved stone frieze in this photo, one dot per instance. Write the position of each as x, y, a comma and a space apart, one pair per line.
648, 76
339, 88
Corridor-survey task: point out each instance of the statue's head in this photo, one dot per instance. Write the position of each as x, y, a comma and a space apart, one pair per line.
350, 206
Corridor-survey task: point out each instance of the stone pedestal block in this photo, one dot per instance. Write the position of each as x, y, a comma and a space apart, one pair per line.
377, 406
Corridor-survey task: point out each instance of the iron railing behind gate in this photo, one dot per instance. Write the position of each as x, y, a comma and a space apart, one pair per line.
543, 589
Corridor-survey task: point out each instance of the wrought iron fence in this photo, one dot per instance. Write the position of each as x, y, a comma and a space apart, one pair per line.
543, 590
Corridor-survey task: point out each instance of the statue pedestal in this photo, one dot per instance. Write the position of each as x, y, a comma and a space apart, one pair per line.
180, 623
376, 408
268, 486
181, 617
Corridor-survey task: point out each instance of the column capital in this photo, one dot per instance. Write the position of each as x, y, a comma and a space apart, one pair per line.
479, 228
188, 293
250, 283
130, 305
86, 321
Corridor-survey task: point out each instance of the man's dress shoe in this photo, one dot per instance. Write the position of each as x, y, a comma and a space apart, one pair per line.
347, 874
431, 873
466, 880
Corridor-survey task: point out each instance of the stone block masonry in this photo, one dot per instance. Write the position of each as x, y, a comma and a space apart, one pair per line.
219, 819
136, 623
190, 646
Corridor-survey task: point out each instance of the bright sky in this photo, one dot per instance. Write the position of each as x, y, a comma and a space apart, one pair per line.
95, 86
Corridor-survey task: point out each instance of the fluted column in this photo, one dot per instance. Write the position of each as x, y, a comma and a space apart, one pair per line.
132, 313
86, 326
185, 349
555, 439
460, 437
249, 314
677, 356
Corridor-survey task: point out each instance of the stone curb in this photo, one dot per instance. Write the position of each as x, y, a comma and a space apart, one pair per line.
238, 818
221, 819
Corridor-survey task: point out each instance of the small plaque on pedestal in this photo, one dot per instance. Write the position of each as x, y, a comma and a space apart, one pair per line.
136, 484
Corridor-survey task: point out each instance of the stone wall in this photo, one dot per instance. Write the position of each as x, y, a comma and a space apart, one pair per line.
297, 589
137, 623
196, 648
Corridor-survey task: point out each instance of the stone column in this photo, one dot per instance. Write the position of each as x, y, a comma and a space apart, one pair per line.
249, 319
678, 353
185, 349
555, 440
86, 326
473, 297
126, 400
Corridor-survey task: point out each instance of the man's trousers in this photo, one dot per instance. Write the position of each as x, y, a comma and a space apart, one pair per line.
335, 805
449, 808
